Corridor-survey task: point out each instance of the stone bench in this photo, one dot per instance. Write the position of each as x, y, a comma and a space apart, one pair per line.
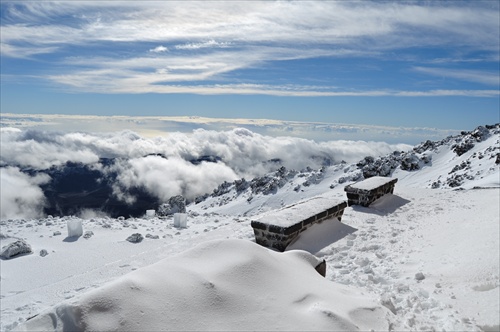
279, 228
367, 191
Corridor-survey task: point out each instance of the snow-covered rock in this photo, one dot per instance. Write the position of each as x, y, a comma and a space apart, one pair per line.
135, 238
175, 204
88, 234
15, 249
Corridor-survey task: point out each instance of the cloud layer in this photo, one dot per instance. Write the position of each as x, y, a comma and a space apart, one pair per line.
162, 166
154, 126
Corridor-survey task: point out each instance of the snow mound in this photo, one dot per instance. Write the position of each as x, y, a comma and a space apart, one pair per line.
219, 285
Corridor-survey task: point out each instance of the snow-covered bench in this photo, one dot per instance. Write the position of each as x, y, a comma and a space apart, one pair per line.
279, 228
367, 191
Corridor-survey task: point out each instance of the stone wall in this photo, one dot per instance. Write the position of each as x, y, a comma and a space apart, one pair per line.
277, 237
356, 196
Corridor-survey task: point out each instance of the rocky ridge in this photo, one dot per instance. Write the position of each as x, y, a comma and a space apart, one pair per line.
409, 161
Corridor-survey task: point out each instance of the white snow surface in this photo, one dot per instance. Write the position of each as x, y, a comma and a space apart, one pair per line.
219, 285
418, 259
371, 183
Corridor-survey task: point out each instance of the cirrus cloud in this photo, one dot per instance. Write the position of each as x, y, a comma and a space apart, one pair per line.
204, 47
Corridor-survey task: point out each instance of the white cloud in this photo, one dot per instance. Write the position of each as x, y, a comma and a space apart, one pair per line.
207, 44
20, 194
41, 150
242, 153
477, 76
164, 178
281, 22
9, 50
159, 49
257, 33
154, 127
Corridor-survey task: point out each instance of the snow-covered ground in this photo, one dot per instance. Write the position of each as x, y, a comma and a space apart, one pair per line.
419, 259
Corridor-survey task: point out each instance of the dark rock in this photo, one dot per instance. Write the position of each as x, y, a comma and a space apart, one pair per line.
200, 199
270, 183
426, 146
241, 185
207, 159
135, 238
410, 162
419, 276
480, 133
462, 165
222, 189
175, 204
43, 253
321, 268
436, 184
455, 181
463, 147
14, 249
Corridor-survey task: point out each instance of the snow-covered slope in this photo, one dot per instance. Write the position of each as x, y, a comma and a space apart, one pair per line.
469, 160
424, 258
220, 285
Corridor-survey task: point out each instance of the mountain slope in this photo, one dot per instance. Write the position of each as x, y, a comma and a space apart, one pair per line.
427, 255
469, 160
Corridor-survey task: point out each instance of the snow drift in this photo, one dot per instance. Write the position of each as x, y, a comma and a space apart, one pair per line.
219, 285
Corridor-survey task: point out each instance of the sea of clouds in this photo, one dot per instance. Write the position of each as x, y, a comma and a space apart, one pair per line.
160, 165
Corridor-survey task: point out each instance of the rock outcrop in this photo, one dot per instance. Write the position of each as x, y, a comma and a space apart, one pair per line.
175, 204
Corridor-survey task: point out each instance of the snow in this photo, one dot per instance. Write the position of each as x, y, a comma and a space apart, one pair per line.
449, 236
180, 220
211, 276
293, 214
371, 183
219, 285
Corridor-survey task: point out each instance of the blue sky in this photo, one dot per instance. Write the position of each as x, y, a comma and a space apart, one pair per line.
423, 64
